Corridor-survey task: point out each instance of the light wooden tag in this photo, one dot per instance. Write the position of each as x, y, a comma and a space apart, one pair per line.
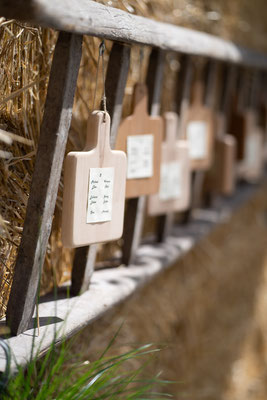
94, 188
140, 136
198, 129
250, 138
174, 190
251, 166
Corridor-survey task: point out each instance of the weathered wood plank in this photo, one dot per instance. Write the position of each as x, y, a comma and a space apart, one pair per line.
211, 83
45, 181
164, 226
116, 78
183, 90
229, 81
154, 80
91, 18
83, 268
133, 226
135, 211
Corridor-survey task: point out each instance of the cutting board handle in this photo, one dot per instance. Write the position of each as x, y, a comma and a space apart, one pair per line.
140, 99
170, 127
98, 132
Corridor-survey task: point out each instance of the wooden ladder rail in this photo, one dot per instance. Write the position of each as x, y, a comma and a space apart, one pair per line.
135, 211
115, 83
45, 181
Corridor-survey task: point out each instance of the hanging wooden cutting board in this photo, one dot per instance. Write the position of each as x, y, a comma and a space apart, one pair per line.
251, 167
140, 136
174, 189
248, 133
94, 188
198, 129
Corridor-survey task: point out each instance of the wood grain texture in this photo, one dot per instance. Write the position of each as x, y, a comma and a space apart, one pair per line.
140, 123
173, 150
76, 231
91, 18
45, 181
115, 82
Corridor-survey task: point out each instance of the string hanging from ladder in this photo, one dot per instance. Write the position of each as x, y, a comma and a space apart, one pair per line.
101, 52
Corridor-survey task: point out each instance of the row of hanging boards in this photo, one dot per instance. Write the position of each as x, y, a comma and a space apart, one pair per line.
155, 156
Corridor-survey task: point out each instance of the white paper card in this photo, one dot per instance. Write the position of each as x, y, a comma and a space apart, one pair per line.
197, 137
253, 150
140, 156
100, 191
170, 181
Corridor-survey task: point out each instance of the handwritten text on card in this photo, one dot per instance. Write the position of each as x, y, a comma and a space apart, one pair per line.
197, 138
140, 156
170, 181
99, 206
